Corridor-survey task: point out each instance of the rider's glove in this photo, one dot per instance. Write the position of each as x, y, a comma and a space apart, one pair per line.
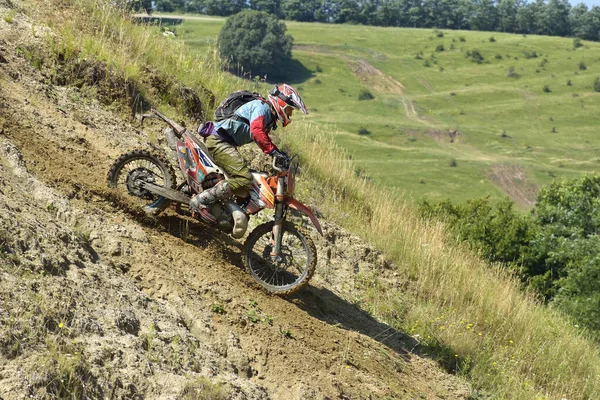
281, 159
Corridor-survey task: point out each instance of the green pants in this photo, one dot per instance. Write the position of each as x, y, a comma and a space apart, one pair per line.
229, 158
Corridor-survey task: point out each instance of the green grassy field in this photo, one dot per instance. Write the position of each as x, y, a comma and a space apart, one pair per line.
513, 135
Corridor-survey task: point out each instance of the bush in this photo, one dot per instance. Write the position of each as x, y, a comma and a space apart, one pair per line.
499, 232
462, 39
365, 94
440, 34
546, 89
475, 56
492, 39
528, 55
582, 66
256, 41
363, 131
453, 163
577, 43
569, 83
440, 47
554, 249
597, 85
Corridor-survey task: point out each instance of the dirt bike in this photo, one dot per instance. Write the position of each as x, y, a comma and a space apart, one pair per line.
279, 255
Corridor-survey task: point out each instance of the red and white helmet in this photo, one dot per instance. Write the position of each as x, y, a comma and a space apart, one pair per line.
285, 96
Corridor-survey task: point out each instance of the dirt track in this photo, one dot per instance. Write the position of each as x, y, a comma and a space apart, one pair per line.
170, 272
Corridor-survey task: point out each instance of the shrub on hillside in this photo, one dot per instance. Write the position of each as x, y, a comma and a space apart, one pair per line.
440, 47
501, 233
492, 39
256, 41
582, 66
554, 248
364, 131
577, 43
597, 85
530, 54
365, 94
475, 56
546, 89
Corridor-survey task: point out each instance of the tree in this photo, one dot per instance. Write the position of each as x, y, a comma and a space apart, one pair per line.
484, 15
142, 5
256, 41
299, 10
568, 214
558, 17
349, 11
507, 15
270, 6
169, 5
224, 7
579, 19
388, 13
526, 18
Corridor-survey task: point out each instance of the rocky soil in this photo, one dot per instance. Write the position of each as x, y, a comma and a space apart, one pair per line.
99, 301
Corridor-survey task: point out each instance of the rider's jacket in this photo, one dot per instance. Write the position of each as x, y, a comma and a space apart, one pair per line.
238, 133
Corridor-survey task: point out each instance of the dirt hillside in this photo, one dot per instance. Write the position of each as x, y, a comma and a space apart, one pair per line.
99, 301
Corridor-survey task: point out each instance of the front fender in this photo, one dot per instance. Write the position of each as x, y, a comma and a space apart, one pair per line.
296, 205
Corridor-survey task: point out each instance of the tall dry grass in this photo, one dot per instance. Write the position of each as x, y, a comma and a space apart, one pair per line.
105, 33
506, 342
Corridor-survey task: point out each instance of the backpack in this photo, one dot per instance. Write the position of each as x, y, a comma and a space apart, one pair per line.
234, 101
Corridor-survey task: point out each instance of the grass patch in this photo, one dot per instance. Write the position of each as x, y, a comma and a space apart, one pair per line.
9, 17
203, 389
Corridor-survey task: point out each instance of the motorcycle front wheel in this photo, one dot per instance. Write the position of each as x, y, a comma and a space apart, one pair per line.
135, 166
288, 272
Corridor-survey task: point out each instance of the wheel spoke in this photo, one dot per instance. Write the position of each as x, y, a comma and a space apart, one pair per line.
291, 266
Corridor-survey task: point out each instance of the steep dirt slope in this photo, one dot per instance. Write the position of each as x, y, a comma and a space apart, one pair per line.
100, 301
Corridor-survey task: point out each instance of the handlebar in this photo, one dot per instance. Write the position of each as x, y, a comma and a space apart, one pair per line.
280, 164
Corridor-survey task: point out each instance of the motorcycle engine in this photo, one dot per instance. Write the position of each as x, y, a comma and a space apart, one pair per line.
223, 217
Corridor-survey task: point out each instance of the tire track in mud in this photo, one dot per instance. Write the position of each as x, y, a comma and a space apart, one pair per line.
313, 345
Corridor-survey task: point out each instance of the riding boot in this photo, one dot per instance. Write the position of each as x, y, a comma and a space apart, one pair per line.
200, 202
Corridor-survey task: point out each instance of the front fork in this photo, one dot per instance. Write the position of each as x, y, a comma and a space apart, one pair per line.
279, 217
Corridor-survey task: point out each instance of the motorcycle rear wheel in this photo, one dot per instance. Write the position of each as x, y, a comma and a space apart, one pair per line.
296, 266
138, 165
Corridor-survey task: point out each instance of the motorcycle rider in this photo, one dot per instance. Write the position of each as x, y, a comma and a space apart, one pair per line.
251, 122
